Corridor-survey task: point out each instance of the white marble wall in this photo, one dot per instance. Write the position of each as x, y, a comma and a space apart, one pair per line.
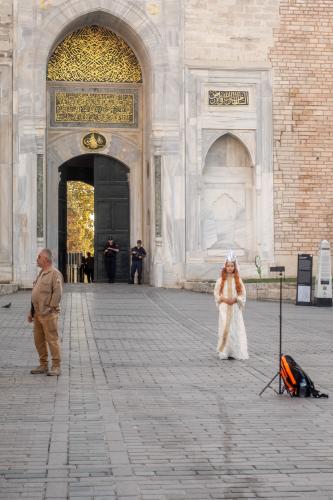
154, 32
183, 55
5, 172
227, 47
228, 206
6, 142
230, 33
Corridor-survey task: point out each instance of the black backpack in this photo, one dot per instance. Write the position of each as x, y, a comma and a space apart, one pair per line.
296, 382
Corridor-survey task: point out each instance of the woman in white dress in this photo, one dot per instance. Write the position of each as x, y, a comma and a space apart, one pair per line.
230, 297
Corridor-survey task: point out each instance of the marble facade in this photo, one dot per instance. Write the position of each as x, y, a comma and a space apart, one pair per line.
232, 204
201, 176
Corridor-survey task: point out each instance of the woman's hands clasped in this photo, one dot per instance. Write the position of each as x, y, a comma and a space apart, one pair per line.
230, 302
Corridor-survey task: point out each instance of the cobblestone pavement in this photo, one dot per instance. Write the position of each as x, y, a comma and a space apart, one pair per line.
145, 410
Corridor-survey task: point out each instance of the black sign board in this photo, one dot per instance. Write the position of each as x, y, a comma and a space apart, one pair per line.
304, 280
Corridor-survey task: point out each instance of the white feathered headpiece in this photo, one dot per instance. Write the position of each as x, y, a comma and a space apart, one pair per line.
231, 257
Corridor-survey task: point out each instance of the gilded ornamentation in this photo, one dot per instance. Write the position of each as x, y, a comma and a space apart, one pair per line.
153, 9
95, 108
43, 4
228, 98
94, 141
94, 54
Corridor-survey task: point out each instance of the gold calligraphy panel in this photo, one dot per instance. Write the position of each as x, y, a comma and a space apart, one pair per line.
94, 54
228, 98
97, 108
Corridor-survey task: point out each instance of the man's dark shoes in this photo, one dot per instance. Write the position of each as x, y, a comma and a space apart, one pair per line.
54, 372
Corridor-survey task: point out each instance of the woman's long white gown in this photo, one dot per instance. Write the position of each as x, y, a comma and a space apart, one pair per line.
232, 341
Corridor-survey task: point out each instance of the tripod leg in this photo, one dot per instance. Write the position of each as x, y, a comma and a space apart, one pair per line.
280, 337
269, 383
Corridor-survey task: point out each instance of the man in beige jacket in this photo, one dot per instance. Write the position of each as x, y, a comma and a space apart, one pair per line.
45, 308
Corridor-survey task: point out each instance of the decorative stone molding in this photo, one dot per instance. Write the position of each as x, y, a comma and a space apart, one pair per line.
158, 195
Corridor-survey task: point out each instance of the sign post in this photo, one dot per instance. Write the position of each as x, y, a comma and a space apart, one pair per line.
323, 289
304, 280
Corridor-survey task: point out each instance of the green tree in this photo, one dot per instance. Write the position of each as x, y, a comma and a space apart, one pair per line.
80, 217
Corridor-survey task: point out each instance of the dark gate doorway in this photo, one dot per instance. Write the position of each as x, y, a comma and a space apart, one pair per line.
111, 209
111, 214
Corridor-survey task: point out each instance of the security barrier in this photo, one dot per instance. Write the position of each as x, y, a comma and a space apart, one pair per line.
74, 262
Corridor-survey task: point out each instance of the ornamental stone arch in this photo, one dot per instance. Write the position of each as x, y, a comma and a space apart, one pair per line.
68, 146
247, 138
228, 199
132, 24
91, 72
252, 127
229, 150
156, 43
36, 164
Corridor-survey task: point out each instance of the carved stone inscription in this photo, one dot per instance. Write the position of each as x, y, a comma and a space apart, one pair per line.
94, 108
228, 98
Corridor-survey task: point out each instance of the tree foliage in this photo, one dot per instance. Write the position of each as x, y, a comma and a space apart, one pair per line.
80, 217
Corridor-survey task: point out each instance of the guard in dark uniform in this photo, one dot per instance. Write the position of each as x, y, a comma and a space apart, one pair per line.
89, 268
110, 254
138, 254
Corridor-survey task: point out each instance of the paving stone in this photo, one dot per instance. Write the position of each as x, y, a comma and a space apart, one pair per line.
127, 488
56, 489
145, 410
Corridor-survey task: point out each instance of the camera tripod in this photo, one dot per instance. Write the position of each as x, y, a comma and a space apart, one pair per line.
280, 270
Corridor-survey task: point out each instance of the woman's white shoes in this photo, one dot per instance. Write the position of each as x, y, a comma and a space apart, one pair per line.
222, 356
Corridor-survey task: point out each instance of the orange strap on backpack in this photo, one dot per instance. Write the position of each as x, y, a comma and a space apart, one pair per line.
288, 377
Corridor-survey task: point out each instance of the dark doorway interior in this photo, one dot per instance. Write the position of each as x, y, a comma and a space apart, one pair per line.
109, 178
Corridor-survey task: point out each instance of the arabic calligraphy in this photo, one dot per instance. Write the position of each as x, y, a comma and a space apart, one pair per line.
228, 98
94, 108
94, 54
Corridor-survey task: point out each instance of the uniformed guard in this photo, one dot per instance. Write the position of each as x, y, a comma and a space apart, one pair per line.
138, 254
45, 308
89, 268
110, 254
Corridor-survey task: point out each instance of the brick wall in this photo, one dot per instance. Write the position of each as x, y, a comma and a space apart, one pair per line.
302, 60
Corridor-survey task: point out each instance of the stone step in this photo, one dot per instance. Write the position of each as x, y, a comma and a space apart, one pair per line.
254, 291
8, 288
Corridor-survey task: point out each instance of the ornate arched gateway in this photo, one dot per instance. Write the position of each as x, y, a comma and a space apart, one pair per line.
69, 102
94, 85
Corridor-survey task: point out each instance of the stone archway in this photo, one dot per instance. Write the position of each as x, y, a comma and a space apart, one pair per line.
148, 36
94, 87
228, 199
67, 146
109, 177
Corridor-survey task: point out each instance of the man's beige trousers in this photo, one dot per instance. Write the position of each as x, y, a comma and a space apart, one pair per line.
46, 334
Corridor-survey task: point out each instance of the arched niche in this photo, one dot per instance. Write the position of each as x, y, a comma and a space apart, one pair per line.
227, 151
228, 199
